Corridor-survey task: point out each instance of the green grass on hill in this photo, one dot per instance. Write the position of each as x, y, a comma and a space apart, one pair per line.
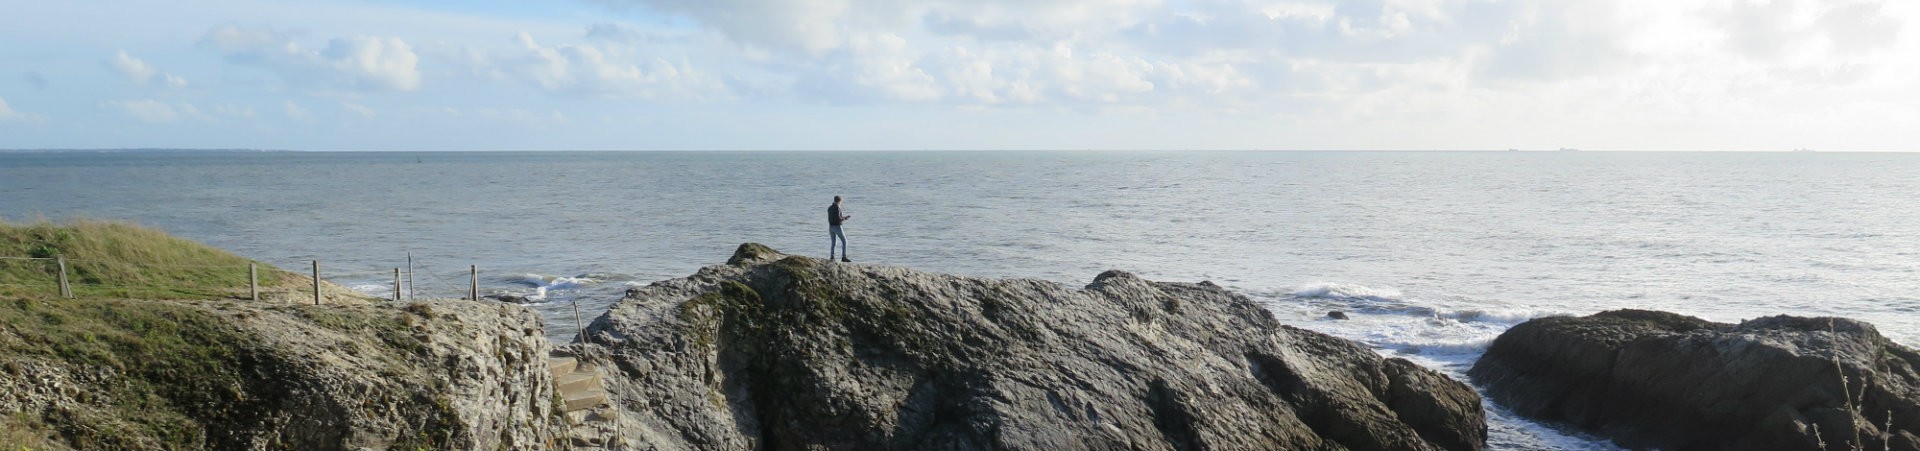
118, 260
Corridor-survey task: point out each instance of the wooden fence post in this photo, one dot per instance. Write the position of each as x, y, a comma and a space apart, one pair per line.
473, 289
66, 290
316, 282
582, 330
410, 293
396, 284
253, 281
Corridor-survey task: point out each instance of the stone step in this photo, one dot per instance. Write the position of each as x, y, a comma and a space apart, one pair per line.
585, 399
562, 365
577, 381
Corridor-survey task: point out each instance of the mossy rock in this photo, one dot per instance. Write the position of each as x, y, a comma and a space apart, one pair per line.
749, 253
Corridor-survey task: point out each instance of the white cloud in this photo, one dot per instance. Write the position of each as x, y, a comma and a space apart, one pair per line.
142, 73
365, 63
295, 112
1390, 73
611, 66
234, 111
157, 112
135, 69
358, 109
514, 117
7, 114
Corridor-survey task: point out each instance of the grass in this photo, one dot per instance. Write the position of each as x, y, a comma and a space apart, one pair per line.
1853, 402
117, 260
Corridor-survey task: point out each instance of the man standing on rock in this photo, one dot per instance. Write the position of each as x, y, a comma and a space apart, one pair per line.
834, 218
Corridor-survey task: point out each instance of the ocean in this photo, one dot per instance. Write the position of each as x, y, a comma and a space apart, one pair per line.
1433, 254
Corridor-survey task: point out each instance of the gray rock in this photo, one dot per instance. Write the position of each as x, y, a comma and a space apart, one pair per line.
1336, 314
781, 352
1660, 380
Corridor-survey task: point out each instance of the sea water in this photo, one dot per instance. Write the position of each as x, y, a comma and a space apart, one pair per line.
1432, 254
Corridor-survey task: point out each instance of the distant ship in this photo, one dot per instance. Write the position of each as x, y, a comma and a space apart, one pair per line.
1569, 149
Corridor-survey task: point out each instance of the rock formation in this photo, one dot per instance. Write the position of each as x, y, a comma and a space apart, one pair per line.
777, 352
1661, 380
223, 375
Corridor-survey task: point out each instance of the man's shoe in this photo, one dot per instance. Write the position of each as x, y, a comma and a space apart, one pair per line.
844, 259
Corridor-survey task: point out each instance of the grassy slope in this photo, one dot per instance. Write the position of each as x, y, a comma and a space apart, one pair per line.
119, 260
155, 369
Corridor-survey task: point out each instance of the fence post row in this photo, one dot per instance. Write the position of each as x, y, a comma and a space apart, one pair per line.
402, 284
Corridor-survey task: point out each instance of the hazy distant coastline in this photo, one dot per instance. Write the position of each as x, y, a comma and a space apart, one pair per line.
143, 150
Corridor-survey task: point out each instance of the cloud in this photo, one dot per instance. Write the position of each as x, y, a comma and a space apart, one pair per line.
133, 68
157, 112
234, 111
141, 72
615, 63
1269, 55
513, 117
295, 112
358, 109
362, 63
8, 115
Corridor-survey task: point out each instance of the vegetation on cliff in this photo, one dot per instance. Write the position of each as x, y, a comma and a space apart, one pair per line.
108, 259
161, 352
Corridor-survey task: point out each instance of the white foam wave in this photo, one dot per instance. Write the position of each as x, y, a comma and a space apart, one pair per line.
373, 289
542, 285
1442, 347
1346, 291
1504, 316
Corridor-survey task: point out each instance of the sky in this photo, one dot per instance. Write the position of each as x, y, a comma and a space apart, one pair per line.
1769, 75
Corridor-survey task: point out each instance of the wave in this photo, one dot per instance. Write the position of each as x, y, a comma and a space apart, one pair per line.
1357, 298
1346, 291
542, 284
373, 289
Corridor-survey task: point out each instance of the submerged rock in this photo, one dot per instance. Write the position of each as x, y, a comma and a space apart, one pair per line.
1660, 380
776, 352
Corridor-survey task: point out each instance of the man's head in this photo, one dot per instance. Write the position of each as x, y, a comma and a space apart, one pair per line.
836, 199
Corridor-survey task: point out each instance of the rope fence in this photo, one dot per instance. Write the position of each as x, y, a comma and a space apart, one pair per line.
62, 276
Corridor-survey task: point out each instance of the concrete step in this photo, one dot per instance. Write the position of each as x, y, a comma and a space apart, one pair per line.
590, 416
577, 381
585, 399
561, 365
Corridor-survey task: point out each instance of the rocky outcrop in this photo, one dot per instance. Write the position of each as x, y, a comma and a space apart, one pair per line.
1661, 380
777, 352
444, 375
